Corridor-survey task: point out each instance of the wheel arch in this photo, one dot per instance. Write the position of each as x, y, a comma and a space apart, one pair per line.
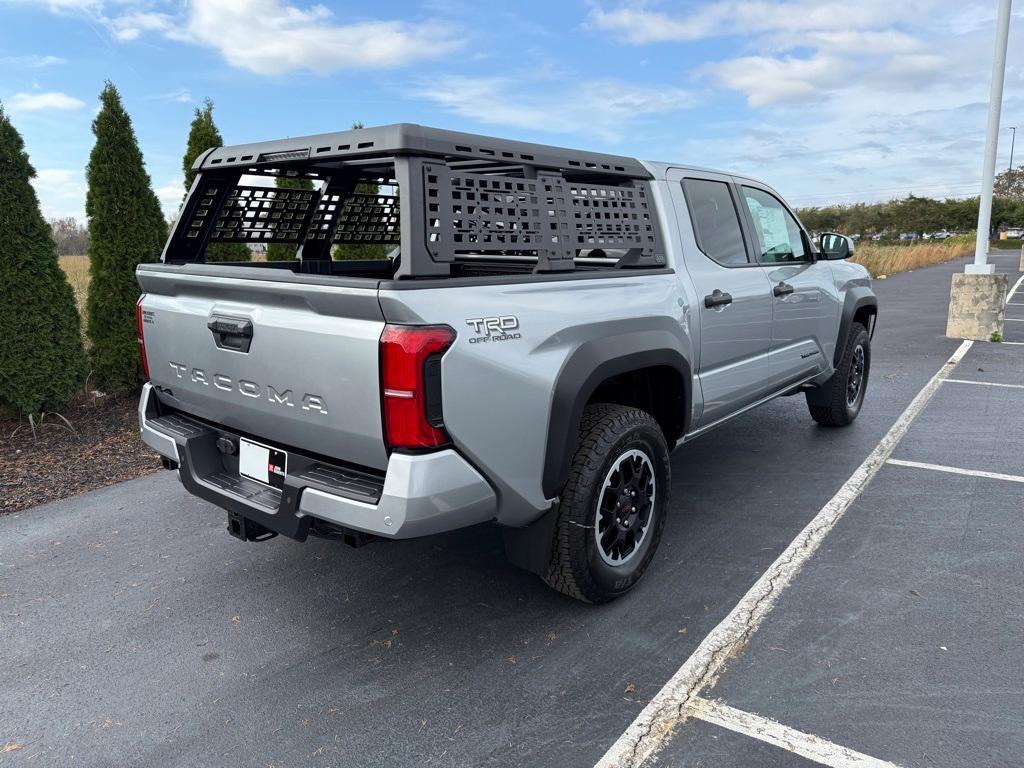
860, 305
601, 367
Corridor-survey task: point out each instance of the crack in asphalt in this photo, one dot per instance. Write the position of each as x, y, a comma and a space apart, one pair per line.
709, 675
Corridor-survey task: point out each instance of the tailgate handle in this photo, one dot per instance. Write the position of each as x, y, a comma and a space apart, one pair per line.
232, 333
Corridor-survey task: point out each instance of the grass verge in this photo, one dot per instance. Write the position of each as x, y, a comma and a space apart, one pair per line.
890, 259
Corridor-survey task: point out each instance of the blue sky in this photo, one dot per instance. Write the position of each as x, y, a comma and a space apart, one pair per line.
826, 100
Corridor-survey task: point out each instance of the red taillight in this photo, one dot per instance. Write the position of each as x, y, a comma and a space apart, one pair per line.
142, 337
410, 382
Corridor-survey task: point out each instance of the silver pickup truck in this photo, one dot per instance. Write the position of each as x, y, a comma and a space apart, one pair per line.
531, 333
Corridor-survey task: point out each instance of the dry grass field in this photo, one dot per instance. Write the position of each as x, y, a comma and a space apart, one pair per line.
77, 270
890, 259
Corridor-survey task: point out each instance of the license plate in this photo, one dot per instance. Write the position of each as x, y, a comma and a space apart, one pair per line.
262, 463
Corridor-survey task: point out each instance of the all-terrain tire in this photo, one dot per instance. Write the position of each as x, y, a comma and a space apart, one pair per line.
612, 439
838, 405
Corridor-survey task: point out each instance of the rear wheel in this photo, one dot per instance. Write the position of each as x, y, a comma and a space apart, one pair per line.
839, 400
612, 512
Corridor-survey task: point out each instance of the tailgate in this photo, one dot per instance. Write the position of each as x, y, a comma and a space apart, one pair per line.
292, 363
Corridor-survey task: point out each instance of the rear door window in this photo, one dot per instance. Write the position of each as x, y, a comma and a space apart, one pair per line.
716, 222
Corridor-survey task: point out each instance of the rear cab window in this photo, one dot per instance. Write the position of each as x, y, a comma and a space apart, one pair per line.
716, 222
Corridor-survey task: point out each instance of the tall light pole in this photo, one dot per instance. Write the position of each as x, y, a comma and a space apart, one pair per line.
1013, 138
988, 175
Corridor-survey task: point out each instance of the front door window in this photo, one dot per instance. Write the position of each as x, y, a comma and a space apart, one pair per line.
780, 240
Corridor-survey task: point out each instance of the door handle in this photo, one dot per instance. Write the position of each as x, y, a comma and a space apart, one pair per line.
232, 333
230, 326
782, 289
717, 298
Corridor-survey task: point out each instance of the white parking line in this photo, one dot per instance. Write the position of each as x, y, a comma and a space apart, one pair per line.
984, 383
1014, 289
799, 743
1012, 320
654, 725
956, 470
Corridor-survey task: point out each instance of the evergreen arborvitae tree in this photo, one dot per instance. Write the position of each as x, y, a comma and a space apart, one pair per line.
126, 228
42, 360
203, 135
284, 251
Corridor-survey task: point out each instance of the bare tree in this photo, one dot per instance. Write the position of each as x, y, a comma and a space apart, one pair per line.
72, 238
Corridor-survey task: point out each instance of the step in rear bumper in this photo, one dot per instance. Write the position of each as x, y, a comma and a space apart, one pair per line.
417, 496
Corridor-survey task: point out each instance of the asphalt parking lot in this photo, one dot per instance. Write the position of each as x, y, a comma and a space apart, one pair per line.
135, 631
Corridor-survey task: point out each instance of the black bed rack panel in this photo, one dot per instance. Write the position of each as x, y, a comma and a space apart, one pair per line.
368, 219
613, 217
546, 216
469, 213
260, 215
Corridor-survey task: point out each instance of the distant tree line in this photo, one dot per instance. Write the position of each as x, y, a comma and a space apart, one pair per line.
70, 235
921, 214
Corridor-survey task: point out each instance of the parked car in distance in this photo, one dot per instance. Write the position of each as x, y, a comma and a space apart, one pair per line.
908, 237
548, 325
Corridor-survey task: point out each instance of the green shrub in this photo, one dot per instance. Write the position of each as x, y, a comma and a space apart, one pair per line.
126, 228
42, 360
203, 135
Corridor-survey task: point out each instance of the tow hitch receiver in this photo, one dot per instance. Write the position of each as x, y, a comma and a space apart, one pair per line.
245, 529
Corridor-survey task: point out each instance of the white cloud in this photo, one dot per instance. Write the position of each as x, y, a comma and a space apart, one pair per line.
171, 196
270, 37
44, 100
767, 80
30, 62
273, 37
640, 24
602, 108
131, 25
61, 192
179, 95
802, 49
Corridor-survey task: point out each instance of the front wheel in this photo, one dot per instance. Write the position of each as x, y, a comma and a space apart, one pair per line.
612, 512
838, 401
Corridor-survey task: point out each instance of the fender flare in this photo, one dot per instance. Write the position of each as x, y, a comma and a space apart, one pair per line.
857, 297
591, 363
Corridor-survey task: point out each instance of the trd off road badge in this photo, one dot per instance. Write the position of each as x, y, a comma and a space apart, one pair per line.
503, 328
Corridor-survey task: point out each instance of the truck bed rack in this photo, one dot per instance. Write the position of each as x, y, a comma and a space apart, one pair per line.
434, 196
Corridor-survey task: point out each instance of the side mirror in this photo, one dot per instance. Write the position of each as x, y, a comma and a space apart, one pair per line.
835, 246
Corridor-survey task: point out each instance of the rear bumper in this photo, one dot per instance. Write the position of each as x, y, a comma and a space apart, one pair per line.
417, 496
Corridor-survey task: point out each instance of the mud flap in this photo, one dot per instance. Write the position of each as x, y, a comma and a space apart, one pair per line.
530, 547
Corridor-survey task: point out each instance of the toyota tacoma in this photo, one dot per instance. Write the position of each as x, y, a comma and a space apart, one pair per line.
466, 329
